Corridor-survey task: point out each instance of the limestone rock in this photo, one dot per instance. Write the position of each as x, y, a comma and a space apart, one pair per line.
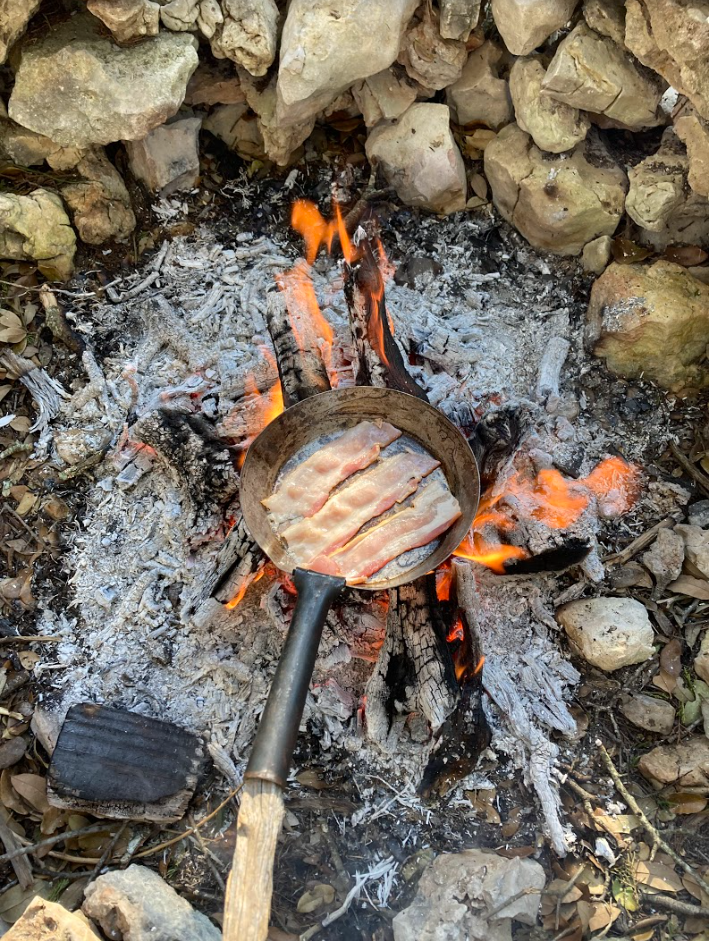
525, 24
691, 129
327, 45
179, 15
701, 661
649, 713
696, 546
592, 73
459, 18
553, 126
596, 254
279, 142
36, 228
14, 17
100, 204
248, 34
239, 130
209, 17
608, 632
212, 85
28, 149
480, 96
651, 321
128, 20
557, 203
458, 890
136, 905
665, 557
167, 159
430, 59
686, 765
49, 921
420, 158
384, 95
606, 17
672, 37
79, 88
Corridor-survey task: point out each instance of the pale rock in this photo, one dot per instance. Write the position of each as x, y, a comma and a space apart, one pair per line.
327, 45
248, 34
525, 24
592, 73
651, 321
701, 661
209, 18
696, 546
428, 58
215, 85
609, 633
179, 15
238, 129
79, 88
344, 106
420, 158
27, 149
14, 17
606, 17
461, 897
74, 445
480, 96
672, 37
557, 203
48, 921
384, 95
553, 126
135, 904
459, 18
685, 765
37, 228
694, 132
99, 202
167, 159
649, 713
279, 142
665, 557
699, 514
128, 20
596, 254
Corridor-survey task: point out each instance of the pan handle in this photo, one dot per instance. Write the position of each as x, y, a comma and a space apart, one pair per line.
247, 903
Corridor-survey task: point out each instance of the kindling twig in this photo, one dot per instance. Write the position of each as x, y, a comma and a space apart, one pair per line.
632, 549
674, 905
647, 826
106, 855
52, 840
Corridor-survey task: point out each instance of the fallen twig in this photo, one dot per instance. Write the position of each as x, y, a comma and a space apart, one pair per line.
19, 863
701, 479
27, 639
106, 855
52, 840
16, 448
154, 274
648, 827
674, 905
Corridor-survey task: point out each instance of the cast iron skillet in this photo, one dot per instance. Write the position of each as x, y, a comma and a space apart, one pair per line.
248, 896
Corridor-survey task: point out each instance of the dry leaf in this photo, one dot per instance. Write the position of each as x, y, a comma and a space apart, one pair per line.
482, 802
687, 803
9, 797
687, 255
692, 587
15, 900
26, 503
658, 876
28, 659
692, 886
311, 779
317, 896
33, 788
12, 330
21, 424
626, 252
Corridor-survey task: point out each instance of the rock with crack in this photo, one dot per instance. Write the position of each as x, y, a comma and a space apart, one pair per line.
215, 85
99, 202
665, 557
428, 58
420, 159
462, 896
179, 15
79, 88
167, 159
136, 904
50, 921
459, 18
128, 20
480, 96
384, 95
596, 254
525, 24
37, 228
609, 633
685, 766
672, 38
696, 546
592, 73
651, 321
557, 203
14, 17
246, 34
327, 45
26, 148
606, 17
279, 142
649, 713
553, 125
238, 128
694, 132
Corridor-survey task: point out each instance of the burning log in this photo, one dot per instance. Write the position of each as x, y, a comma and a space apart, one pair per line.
300, 364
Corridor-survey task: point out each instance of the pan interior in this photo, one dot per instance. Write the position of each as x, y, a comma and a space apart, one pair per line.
290, 438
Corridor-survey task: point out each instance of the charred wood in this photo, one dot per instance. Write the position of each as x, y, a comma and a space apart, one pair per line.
300, 366
495, 439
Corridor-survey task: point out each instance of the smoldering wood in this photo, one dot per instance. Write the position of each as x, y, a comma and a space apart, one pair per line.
571, 552
120, 764
496, 438
302, 371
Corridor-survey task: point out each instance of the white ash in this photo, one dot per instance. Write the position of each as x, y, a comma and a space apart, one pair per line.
189, 338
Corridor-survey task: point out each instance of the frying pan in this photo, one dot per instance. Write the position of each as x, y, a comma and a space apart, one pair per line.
248, 895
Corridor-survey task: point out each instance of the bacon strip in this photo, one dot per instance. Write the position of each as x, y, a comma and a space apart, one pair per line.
368, 495
306, 488
432, 513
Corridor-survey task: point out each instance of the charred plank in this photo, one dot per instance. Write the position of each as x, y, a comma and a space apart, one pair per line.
301, 368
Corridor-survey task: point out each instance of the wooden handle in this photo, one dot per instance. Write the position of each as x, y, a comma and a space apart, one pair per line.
247, 904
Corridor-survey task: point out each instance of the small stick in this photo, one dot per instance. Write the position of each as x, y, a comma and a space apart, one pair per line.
16, 448
209, 856
52, 840
697, 476
106, 855
27, 639
649, 828
625, 555
181, 836
674, 905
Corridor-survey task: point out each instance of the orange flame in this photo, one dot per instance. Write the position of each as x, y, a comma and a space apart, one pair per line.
456, 632
309, 326
307, 219
444, 582
239, 596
